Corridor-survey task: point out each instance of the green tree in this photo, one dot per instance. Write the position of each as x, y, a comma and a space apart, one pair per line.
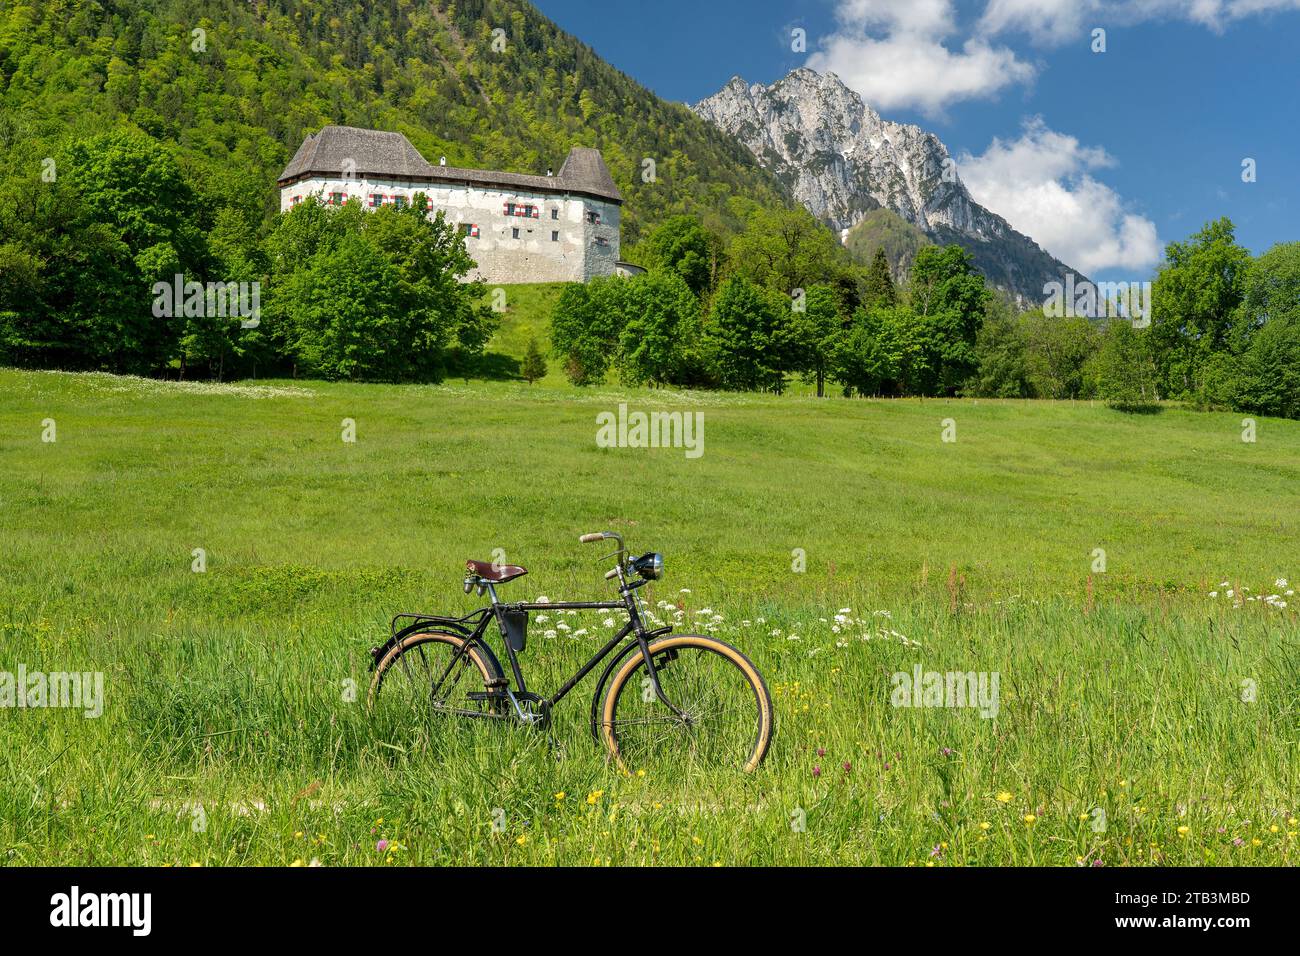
1194, 304
815, 331
1001, 364
1123, 368
786, 249
1057, 350
747, 337
534, 364
682, 245
878, 289
584, 330
658, 329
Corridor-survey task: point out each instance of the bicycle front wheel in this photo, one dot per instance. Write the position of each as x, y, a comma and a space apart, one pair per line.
725, 718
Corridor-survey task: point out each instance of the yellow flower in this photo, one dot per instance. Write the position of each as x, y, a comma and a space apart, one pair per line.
560, 795
522, 839
150, 836
1030, 818
1291, 822
595, 795
297, 835
1273, 828
1255, 841
1083, 816
1003, 796
696, 840
1183, 831
985, 825
640, 773
297, 862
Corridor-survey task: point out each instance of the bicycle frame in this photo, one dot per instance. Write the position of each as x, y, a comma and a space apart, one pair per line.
496, 611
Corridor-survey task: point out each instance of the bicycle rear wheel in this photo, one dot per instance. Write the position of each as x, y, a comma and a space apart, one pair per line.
422, 673
726, 719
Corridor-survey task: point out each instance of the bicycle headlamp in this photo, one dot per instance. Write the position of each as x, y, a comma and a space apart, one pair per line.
650, 566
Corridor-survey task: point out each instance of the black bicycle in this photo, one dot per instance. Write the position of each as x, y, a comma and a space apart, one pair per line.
660, 695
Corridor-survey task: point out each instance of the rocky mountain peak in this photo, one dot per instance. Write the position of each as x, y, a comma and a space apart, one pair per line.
841, 160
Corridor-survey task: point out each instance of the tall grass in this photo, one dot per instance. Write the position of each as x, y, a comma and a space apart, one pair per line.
1140, 721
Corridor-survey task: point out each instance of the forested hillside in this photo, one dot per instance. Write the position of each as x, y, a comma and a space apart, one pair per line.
237, 85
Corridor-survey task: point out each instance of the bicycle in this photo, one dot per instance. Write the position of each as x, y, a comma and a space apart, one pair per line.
659, 692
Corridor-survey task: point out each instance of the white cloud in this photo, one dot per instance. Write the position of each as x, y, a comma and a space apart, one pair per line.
1055, 22
895, 56
1041, 183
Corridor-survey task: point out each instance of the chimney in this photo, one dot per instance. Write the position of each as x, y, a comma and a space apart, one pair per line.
442, 160
548, 171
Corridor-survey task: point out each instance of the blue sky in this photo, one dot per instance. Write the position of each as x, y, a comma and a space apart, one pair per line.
1101, 157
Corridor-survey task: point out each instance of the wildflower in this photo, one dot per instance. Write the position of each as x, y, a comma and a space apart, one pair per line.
1183, 831
641, 772
521, 839
559, 795
1273, 829
821, 751
946, 751
1029, 819
594, 796
848, 767
986, 825
381, 846
817, 771
1003, 796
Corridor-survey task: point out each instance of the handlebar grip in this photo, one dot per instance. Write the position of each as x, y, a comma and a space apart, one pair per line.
594, 536
611, 573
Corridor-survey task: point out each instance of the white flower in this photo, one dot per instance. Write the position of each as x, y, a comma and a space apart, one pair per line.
580, 632
550, 632
684, 591
609, 622
1231, 593
541, 619
543, 600
846, 610
562, 626
793, 637
704, 610
1214, 594
1280, 583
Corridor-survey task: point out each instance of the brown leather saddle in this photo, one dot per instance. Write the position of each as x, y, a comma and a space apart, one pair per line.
496, 573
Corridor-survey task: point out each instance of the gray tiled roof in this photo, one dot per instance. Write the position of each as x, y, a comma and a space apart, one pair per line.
368, 152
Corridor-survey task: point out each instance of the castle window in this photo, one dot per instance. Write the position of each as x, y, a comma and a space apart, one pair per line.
555, 212
399, 202
519, 209
555, 235
469, 229
336, 199
376, 200
294, 200
593, 217
514, 233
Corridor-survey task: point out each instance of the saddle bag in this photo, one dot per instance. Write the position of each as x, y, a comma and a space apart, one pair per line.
514, 628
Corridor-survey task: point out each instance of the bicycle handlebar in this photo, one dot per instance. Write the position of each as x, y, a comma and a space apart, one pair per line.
594, 536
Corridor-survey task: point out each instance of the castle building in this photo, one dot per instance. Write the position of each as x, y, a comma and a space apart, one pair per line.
517, 227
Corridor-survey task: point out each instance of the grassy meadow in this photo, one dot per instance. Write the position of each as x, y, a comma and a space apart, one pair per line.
1141, 720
